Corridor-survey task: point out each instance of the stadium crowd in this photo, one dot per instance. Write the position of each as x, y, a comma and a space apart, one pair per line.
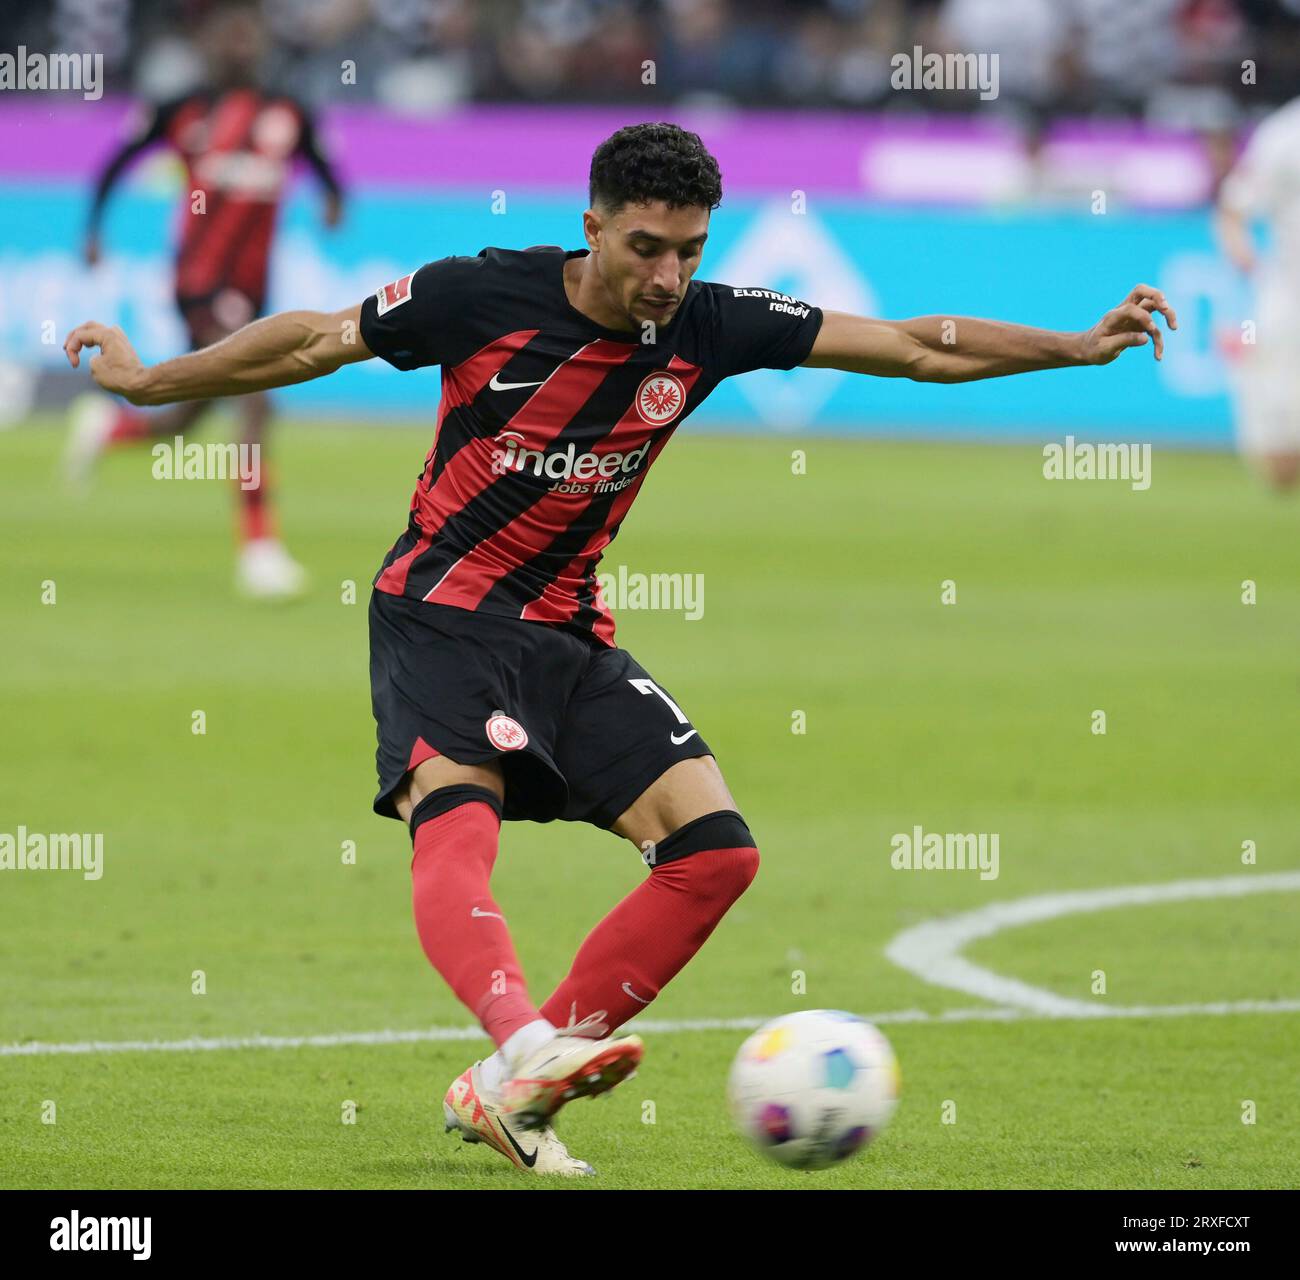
1177, 61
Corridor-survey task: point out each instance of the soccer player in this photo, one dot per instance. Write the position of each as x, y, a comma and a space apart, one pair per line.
497, 686
238, 143
1263, 184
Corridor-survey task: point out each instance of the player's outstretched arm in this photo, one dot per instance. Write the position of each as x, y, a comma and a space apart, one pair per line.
962, 349
294, 346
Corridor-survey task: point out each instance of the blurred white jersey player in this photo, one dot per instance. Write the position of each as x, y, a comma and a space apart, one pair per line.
1265, 185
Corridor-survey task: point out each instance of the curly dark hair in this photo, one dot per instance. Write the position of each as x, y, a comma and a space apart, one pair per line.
645, 162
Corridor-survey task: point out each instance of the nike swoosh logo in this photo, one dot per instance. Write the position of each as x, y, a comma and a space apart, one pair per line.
677, 742
497, 385
477, 912
529, 1159
627, 987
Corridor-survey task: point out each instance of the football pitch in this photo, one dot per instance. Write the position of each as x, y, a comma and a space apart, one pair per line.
846, 702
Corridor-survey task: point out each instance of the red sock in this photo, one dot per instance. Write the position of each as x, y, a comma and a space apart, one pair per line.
255, 519
460, 925
128, 427
633, 953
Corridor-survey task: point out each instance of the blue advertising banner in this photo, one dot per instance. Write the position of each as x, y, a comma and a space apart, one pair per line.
1035, 266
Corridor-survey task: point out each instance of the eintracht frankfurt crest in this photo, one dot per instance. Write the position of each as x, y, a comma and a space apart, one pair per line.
505, 733
660, 398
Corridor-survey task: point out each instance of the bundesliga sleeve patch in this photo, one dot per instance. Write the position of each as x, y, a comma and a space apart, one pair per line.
393, 295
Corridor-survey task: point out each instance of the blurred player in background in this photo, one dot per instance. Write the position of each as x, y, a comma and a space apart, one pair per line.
238, 142
1265, 184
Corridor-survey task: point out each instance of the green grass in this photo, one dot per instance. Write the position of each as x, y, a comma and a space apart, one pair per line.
222, 851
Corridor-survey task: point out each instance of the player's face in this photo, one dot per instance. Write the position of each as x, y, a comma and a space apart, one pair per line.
646, 255
234, 43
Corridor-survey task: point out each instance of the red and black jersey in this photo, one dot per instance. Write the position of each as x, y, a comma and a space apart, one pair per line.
238, 147
549, 422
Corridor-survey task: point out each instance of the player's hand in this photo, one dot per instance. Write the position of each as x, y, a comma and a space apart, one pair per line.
90, 251
1131, 324
117, 368
333, 210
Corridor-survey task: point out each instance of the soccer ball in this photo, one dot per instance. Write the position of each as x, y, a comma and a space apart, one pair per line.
811, 1088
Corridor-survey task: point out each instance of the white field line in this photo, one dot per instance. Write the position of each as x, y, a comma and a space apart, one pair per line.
927, 950
342, 1039
932, 950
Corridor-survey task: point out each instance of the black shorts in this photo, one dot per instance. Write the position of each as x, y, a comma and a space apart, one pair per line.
580, 729
211, 316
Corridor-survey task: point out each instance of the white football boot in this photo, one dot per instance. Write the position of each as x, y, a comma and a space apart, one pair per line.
266, 571
475, 1111
90, 422
572, 1065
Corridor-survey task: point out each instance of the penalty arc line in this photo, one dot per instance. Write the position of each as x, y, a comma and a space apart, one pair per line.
931, 951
